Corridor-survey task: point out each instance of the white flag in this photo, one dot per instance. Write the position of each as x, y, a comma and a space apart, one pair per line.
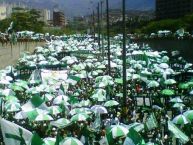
14, 134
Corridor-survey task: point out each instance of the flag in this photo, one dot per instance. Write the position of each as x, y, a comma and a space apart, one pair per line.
133, 138
14, 134
36, 140
177, 133
109, 136
97, 122
151, 122
35, 102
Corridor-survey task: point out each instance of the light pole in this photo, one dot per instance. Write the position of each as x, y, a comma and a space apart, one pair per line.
98, 15
108, 38
102, 36
124, 60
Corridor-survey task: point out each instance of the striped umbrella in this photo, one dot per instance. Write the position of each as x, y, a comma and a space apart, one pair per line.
111, 103
54, 110
12, 106
43, 117
189, 114
79, 117
119, 131
79, 110
49, 141
180, 119
176, 100
71, 141
170, 82
60, 123
60, 99
99, 109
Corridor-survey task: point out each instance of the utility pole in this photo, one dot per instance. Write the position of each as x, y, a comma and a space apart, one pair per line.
102, 36
108, 38
124, 60
98, 15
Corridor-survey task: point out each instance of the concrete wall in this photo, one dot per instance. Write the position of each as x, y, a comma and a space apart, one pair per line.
10, 54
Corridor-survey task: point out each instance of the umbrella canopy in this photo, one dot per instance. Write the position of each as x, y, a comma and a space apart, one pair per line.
43, 117
79, 110
170, 82
153, 84
178, 105
183, 86
111, 103
49, 141
119, 131
60, 123
71, 141
167, 92
176, 100
79, 117
54, 110
12, 106
180, 119
99, 109
189, 114
60, 98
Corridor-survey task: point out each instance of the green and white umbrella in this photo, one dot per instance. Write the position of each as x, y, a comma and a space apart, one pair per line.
178, 105
180, 119
176, 100
167, 92
55, 110
79, 117
60, 98
49, 141
22, 84
111, 103
12, 106
32, 114
85, 103
71, 141
43, 117
11, 99
189, 114
60, 123
79, 110
15, 87
137, 126
119, 131
170, 82
153, 84
119, 80
183, 86
99, 109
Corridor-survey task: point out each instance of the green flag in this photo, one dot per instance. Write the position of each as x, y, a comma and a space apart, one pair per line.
36, 140
151, 122
177, 133
134, 138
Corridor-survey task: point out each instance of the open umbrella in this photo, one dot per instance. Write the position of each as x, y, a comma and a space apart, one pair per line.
183, 86
167, 92
111, 103
79, 110
79, 117
12, 106
60, 123
60, 98
178, 105
153, 84
54, 110
71, 141
99, 109
176, 100
119, 131
49, 141
189, 114
180, 119
170, 82
43, 117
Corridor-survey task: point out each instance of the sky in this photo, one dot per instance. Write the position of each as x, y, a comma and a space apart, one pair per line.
83, 7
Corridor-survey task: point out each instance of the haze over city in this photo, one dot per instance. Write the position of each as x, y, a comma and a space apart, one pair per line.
81, 7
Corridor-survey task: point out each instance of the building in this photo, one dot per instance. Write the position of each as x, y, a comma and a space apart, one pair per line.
58, 19
3, 11
45, 15
173, 8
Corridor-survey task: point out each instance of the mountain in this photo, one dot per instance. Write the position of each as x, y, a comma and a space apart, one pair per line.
82, 7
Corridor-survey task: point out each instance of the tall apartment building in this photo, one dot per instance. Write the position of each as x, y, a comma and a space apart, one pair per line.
58, 19
173, 8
